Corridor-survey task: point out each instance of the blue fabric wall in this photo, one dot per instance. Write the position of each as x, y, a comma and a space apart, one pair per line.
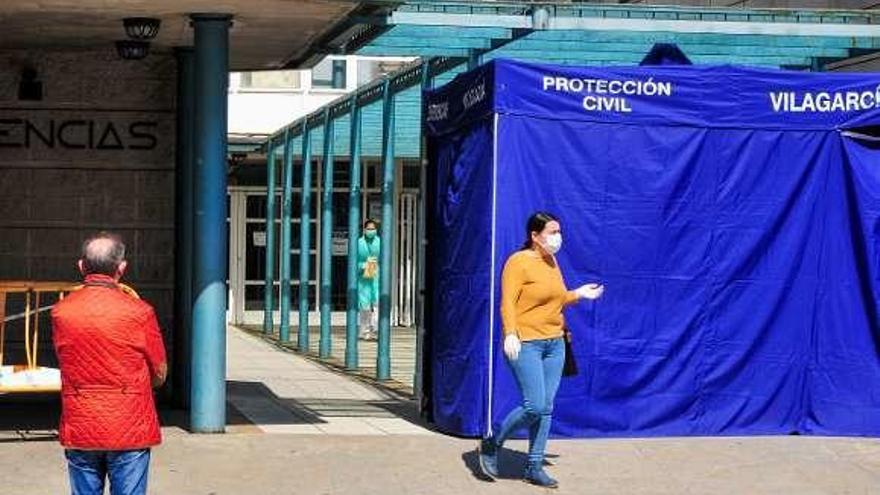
460, 276
740, 274
741, 262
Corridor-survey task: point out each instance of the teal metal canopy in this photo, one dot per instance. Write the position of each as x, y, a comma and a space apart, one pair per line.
600, 34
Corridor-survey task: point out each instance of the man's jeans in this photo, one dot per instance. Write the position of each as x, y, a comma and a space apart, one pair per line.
127, 470
538, 370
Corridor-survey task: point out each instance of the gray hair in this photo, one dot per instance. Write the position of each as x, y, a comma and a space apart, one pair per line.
102, 254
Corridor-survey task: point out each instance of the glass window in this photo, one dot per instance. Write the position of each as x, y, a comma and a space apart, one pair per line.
374, 206
255, 251
270, 79
295, 232
341, 173
339, 276
298, 173
329, 73
256, 206
340, 211
255, 255
372, 176
254, 298
412, 175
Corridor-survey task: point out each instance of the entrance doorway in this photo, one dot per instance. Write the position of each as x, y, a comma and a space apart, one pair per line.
247, 246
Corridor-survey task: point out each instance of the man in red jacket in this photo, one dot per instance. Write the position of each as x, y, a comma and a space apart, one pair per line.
111, 356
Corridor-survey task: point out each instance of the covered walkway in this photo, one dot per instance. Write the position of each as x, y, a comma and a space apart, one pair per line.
272, 391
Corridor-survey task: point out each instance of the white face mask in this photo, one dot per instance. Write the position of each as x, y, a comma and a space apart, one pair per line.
553, 243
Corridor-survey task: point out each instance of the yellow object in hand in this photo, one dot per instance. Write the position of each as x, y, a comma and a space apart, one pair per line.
371, 268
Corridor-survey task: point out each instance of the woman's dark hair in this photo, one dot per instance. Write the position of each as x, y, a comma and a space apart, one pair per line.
371, 221
536, 223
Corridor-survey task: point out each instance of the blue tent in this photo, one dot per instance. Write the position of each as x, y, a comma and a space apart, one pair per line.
732, 213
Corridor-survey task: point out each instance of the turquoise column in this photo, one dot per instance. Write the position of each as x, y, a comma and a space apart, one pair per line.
354, 225
208, 400
324, 348
305, 240
284, 256
383, 357
183, 177
269, 277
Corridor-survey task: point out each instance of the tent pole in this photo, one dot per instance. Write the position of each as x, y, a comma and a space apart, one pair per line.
427, 84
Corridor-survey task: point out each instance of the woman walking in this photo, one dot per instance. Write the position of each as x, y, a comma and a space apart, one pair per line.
533, 295
369, 248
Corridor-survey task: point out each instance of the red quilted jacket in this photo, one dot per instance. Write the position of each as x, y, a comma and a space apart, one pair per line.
108, 345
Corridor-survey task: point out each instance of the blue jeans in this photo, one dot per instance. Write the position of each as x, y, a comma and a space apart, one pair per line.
538, 370
127, 470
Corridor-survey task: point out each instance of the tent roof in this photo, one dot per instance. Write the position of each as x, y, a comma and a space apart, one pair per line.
723, 96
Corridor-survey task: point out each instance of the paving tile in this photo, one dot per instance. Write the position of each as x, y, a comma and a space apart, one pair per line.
285, 393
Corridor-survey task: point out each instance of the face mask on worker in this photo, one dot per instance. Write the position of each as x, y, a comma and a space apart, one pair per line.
553, 243
370, 234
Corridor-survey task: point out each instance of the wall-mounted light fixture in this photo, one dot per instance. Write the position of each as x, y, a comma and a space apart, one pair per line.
141, 28
132, 50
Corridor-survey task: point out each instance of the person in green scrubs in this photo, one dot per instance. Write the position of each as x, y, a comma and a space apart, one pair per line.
369, 247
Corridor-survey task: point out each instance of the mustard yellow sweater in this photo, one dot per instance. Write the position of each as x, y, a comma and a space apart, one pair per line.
533, 294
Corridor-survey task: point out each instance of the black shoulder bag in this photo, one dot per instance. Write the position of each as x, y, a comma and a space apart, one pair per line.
570, 367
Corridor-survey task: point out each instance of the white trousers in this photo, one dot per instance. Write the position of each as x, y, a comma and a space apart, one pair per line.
368, 321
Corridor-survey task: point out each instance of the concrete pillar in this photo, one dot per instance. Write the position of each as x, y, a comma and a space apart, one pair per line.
183, 229
208, 400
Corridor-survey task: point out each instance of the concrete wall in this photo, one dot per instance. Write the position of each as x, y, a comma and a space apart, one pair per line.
96, 153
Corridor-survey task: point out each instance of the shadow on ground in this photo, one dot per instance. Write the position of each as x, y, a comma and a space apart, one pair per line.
511, 463
284, 410
35, 417
29, 417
